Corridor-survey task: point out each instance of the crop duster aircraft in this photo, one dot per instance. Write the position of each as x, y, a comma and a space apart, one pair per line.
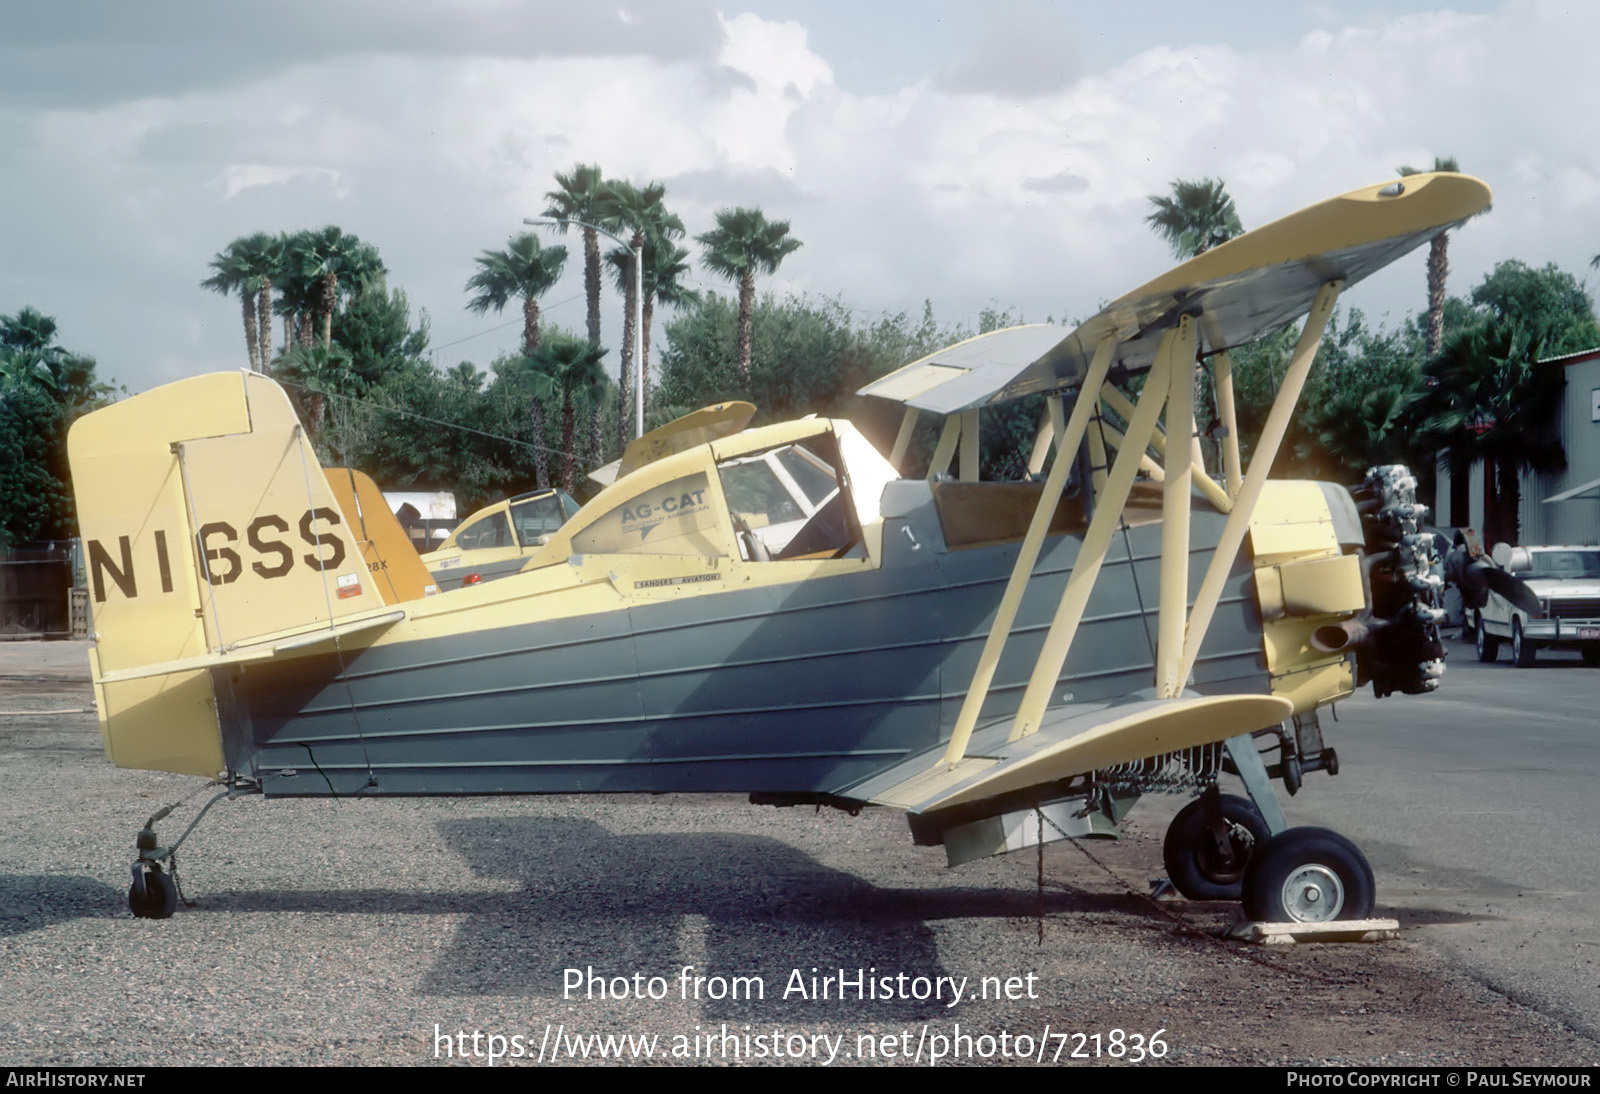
1006, 662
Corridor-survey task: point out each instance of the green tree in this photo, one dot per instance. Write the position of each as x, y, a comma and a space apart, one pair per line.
44, 388
1196, 217
743, 244
247, 266
527, 270
572, 370
641, 212
1487, 397
337, 263
579, 196
524, 269
1438, 264
664, 266
1547, 300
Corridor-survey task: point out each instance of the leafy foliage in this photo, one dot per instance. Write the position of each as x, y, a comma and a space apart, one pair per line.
44, 388
1196, 217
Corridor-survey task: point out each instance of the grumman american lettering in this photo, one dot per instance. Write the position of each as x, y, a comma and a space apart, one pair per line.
778, 611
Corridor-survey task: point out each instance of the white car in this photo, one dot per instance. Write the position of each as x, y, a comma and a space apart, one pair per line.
1567, 582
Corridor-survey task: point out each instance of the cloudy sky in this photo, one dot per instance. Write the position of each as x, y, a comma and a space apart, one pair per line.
973, 155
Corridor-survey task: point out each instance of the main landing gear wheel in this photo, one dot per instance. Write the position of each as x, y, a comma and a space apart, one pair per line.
1197, 865
157, 898
1308, 875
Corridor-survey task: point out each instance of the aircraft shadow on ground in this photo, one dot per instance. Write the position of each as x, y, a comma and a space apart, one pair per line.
728, 903
31, 902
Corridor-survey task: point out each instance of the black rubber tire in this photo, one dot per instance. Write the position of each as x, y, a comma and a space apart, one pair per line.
1591, 654
1193, 865
160, 898
1312, 855
1523, 652
1488, 644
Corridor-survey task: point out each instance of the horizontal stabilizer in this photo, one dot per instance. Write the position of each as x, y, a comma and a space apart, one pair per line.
1073, 740
282, 646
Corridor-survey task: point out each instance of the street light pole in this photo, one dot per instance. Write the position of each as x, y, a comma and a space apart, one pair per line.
638, 306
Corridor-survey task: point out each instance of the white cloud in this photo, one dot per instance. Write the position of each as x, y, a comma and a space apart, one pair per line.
949, 192
238, 177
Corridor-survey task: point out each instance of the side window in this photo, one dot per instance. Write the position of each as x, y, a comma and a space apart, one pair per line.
492, 531
675, 518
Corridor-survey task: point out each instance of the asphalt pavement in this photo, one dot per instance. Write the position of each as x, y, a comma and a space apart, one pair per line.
1479, 808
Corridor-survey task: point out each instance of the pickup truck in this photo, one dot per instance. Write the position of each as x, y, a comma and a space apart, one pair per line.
1567, 582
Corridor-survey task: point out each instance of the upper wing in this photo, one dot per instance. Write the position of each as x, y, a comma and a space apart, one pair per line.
1244, 289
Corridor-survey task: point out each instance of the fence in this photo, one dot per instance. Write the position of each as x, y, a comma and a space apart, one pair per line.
36, 586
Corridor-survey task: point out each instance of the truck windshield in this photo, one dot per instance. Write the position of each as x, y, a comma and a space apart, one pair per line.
1565, 564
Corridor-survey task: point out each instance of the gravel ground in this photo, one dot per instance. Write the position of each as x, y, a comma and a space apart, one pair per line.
373, 931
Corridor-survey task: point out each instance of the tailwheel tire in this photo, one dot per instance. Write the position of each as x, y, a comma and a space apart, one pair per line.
1196, 866
1308, 875
159, 899
1523, 652
1488, 644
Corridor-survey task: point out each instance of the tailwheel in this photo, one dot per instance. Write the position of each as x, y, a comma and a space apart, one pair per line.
1308, 875
153, 894
1206, 860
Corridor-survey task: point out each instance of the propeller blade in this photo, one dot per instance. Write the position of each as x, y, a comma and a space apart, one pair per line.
1514, 589
1475, 585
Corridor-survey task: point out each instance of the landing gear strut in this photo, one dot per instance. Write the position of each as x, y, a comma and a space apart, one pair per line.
154, 892
1209, 844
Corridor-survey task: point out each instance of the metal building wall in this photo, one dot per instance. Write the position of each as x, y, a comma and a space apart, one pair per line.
1576, 520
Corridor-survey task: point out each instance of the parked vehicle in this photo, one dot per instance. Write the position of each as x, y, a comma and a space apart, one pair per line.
497, 540
1566, 581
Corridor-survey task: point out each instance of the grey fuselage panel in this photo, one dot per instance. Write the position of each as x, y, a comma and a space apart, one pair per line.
809, 687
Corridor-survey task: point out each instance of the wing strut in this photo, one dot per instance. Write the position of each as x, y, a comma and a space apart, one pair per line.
1070, 435
1175, 492
1107, 517
1266, 450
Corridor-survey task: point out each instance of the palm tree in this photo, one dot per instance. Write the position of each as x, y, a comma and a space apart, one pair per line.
743, 244
1438, 264
336, 261
1197, 217
28, 349
246, 266
30, 330
664, 264
523, 269
626, 207
1487, 397
580, 196
573, 370
527, 270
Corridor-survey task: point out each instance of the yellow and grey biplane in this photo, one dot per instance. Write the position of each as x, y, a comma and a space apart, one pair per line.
1006, 662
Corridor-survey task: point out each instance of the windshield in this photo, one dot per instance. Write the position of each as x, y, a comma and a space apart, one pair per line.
1565, 564
537, 517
